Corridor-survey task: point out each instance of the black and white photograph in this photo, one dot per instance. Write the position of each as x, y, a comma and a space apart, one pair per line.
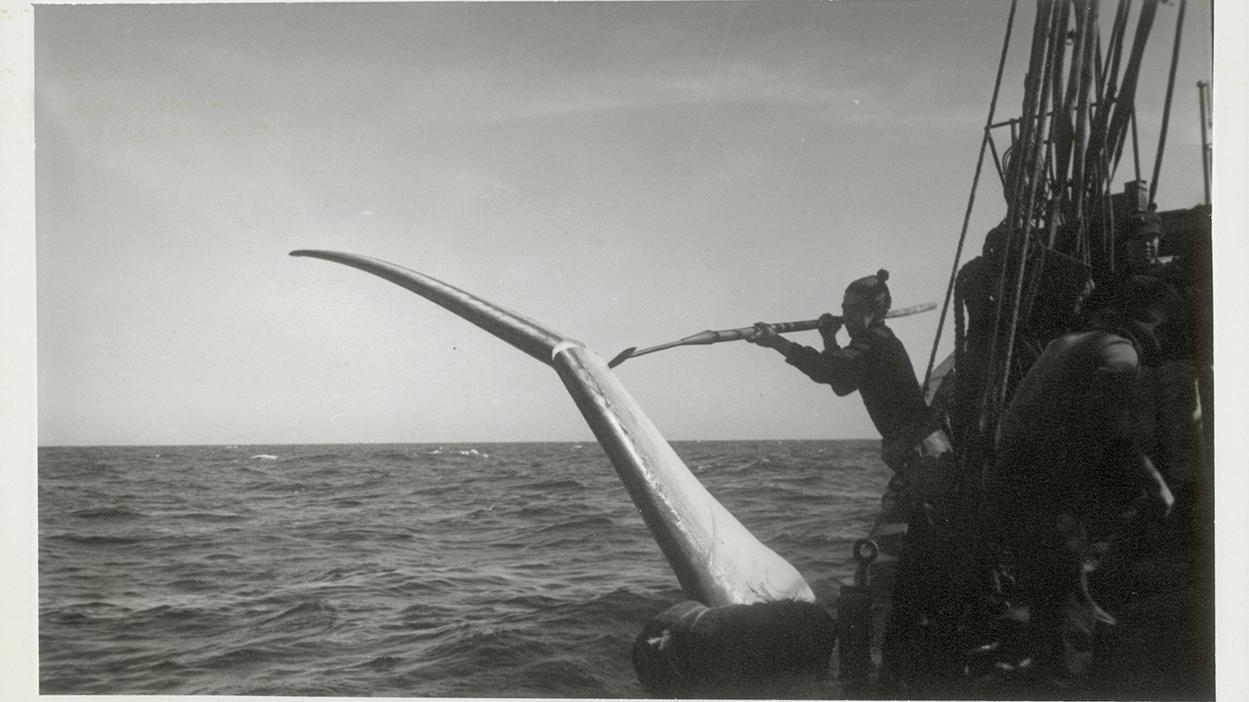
729, 349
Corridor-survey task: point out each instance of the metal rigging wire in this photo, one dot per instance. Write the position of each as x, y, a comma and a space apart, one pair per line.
971, 200
1166, 110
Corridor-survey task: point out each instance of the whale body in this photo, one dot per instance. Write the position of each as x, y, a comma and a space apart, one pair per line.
717, 561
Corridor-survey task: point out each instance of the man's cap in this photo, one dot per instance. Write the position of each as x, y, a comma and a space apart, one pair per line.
1144, 225
874, 288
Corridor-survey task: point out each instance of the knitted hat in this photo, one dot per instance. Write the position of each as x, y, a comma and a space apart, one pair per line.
873, 288
995, 240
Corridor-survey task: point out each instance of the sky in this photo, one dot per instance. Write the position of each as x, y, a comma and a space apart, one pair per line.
625, 173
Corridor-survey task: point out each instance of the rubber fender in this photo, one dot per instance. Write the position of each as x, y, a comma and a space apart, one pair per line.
854, 617
690, 650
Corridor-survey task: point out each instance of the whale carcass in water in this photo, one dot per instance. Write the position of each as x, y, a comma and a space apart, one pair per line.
717, 561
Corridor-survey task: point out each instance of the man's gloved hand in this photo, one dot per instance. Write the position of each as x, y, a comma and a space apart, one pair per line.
829, 326
765, 335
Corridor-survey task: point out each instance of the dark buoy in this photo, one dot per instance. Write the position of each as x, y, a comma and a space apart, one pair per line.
690, 650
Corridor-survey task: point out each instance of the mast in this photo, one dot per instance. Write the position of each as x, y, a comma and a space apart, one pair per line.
1203, 98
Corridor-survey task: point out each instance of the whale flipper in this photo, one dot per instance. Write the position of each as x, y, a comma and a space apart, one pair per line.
716, 559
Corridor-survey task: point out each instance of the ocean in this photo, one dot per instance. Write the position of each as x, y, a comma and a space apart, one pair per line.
407, 570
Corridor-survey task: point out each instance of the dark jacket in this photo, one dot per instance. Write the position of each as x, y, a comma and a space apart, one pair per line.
1068, 439
876, 364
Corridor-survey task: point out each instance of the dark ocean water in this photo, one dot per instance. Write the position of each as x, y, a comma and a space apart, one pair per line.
482, 570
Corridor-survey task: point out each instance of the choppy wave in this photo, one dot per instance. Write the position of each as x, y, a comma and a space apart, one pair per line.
108, 513
483, 570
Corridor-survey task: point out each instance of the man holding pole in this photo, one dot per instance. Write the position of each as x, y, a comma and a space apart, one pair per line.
913, 445
876, 364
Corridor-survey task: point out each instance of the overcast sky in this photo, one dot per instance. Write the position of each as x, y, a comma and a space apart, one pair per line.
626, 174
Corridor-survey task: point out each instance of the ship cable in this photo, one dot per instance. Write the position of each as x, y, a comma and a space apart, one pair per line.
1046, 46
1166, 110
985, 142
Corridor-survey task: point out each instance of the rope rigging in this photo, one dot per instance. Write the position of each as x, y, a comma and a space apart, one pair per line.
1057, 173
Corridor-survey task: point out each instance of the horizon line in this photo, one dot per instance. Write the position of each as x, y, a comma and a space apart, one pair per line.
430, 443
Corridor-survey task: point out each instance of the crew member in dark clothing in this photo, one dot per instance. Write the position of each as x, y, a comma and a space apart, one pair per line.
874, 362
1073, 469
975, 303
913, 445
1137, 255
1140, 246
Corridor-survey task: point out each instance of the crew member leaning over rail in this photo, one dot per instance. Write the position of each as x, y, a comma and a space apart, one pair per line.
913, 445
1073, 469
